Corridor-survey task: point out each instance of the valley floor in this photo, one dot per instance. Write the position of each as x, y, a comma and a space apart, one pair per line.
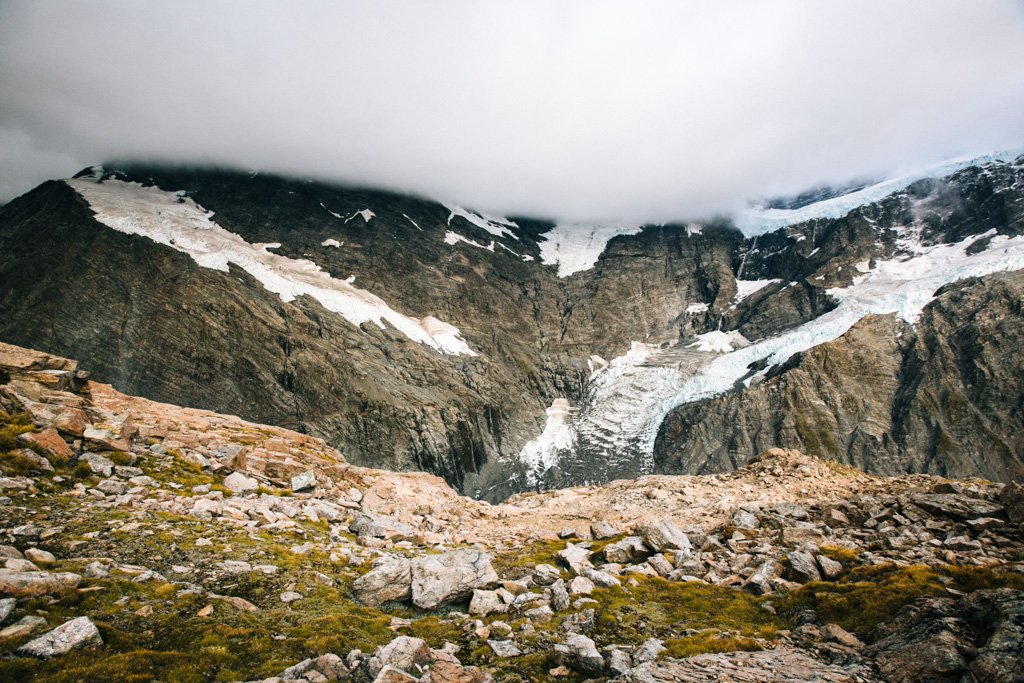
144, 541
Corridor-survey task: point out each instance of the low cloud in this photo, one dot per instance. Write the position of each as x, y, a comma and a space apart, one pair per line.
575, 110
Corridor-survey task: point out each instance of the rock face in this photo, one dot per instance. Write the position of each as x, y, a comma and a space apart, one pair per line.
31, 583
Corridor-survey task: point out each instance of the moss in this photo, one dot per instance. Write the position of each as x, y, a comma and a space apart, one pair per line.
869, 595
15, 463
121, 458
518, 562
843, 556
708, 642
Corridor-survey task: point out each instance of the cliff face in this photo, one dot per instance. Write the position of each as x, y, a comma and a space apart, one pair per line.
149, 318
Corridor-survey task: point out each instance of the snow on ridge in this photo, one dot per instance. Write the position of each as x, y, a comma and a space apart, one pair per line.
366, 214
574, 248
496, 225
176, 221
756, 221
454, 238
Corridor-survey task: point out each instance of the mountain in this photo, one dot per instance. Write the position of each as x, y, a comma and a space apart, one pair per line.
146, 541
506, 354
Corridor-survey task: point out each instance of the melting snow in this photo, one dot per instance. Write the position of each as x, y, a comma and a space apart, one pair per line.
330, 243
697, 308
414, 223
365, 213
541, 454
454, 238
496, 225
336, 215
574, 247
171, 219
745, 288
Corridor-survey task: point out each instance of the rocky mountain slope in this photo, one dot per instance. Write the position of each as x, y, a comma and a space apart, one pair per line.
146, 541
418, 336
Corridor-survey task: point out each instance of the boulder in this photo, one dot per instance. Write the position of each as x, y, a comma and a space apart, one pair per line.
546, 574
1012, 499
581, 585
390, 674
664, 535
451, 672
304, 481
629, 550
559, 596
574, 557
762, 581
28, 584
76, 634
372, 525
236, 482
404, 653
450, 576
50, 443
579, 652
956, 506
35, 461
802, 568
830, 569
486, 602
6, 607
98, 464
390, 578
504, 648
602, 531
39, 556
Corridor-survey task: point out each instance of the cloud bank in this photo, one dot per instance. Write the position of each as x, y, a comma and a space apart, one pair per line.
577, 110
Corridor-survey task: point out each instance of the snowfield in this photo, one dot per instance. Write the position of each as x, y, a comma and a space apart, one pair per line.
574, 248
174, 220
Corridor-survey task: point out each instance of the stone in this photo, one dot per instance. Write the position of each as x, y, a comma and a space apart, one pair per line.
113, 487
574, 557
792, 536
304, 481
451, 672
745, 520
566, 532
602, 531
559, 596
762, 580
39, 556
486, 602
437, 579
599, 578
6, 607
1012, 500
664, 535
236, 482
842, 636
540, 615
648, 651
22, 565
830, 569
546, 574
660, 565
404, 653
235, 566
390, 674
50, 443
956, 506
579, 652
289, 597
22, 627
98, 464
504, 648
29, 584
76, 634
802, 567
629, 550
390, 578
35, 461
372, 525
581, 585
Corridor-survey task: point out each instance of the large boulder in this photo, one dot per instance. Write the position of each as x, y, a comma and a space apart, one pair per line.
664, 535
76, 634
450, 576
371, 525
1012, 498
957, 506
390, 578
237, 482
29, 584
580, 653
403, 653
629, 550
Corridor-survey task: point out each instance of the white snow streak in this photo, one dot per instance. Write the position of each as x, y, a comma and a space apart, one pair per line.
454, 238
174, 220
496, 225
745, 288
331, 243
541, 454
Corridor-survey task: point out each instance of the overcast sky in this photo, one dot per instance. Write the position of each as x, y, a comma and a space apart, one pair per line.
639, 111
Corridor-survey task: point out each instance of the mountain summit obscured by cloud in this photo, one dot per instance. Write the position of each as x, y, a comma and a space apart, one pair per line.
575, 110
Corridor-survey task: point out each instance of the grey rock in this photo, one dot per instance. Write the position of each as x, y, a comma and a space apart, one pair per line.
504, 648
237, 482
802, 567
29, 584
98, 464
664, 535
559, 596
627, 551
390, 578
304, 481
546, 574
830, 569
579, 652
574, 557
450, 576
368, 524
6, 607
959, 507
403, 653
486, 602
75, 634
602, 531
648, 651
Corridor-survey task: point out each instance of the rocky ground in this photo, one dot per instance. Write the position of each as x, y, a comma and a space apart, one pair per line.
144, 541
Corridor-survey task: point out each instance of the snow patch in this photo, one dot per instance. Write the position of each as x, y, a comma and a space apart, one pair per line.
496, 225
717, 341
454, 238
365, 213
697, 308
541, 454
331, 243
174, 220
745, 288
414, 223
336, 215
574, 247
